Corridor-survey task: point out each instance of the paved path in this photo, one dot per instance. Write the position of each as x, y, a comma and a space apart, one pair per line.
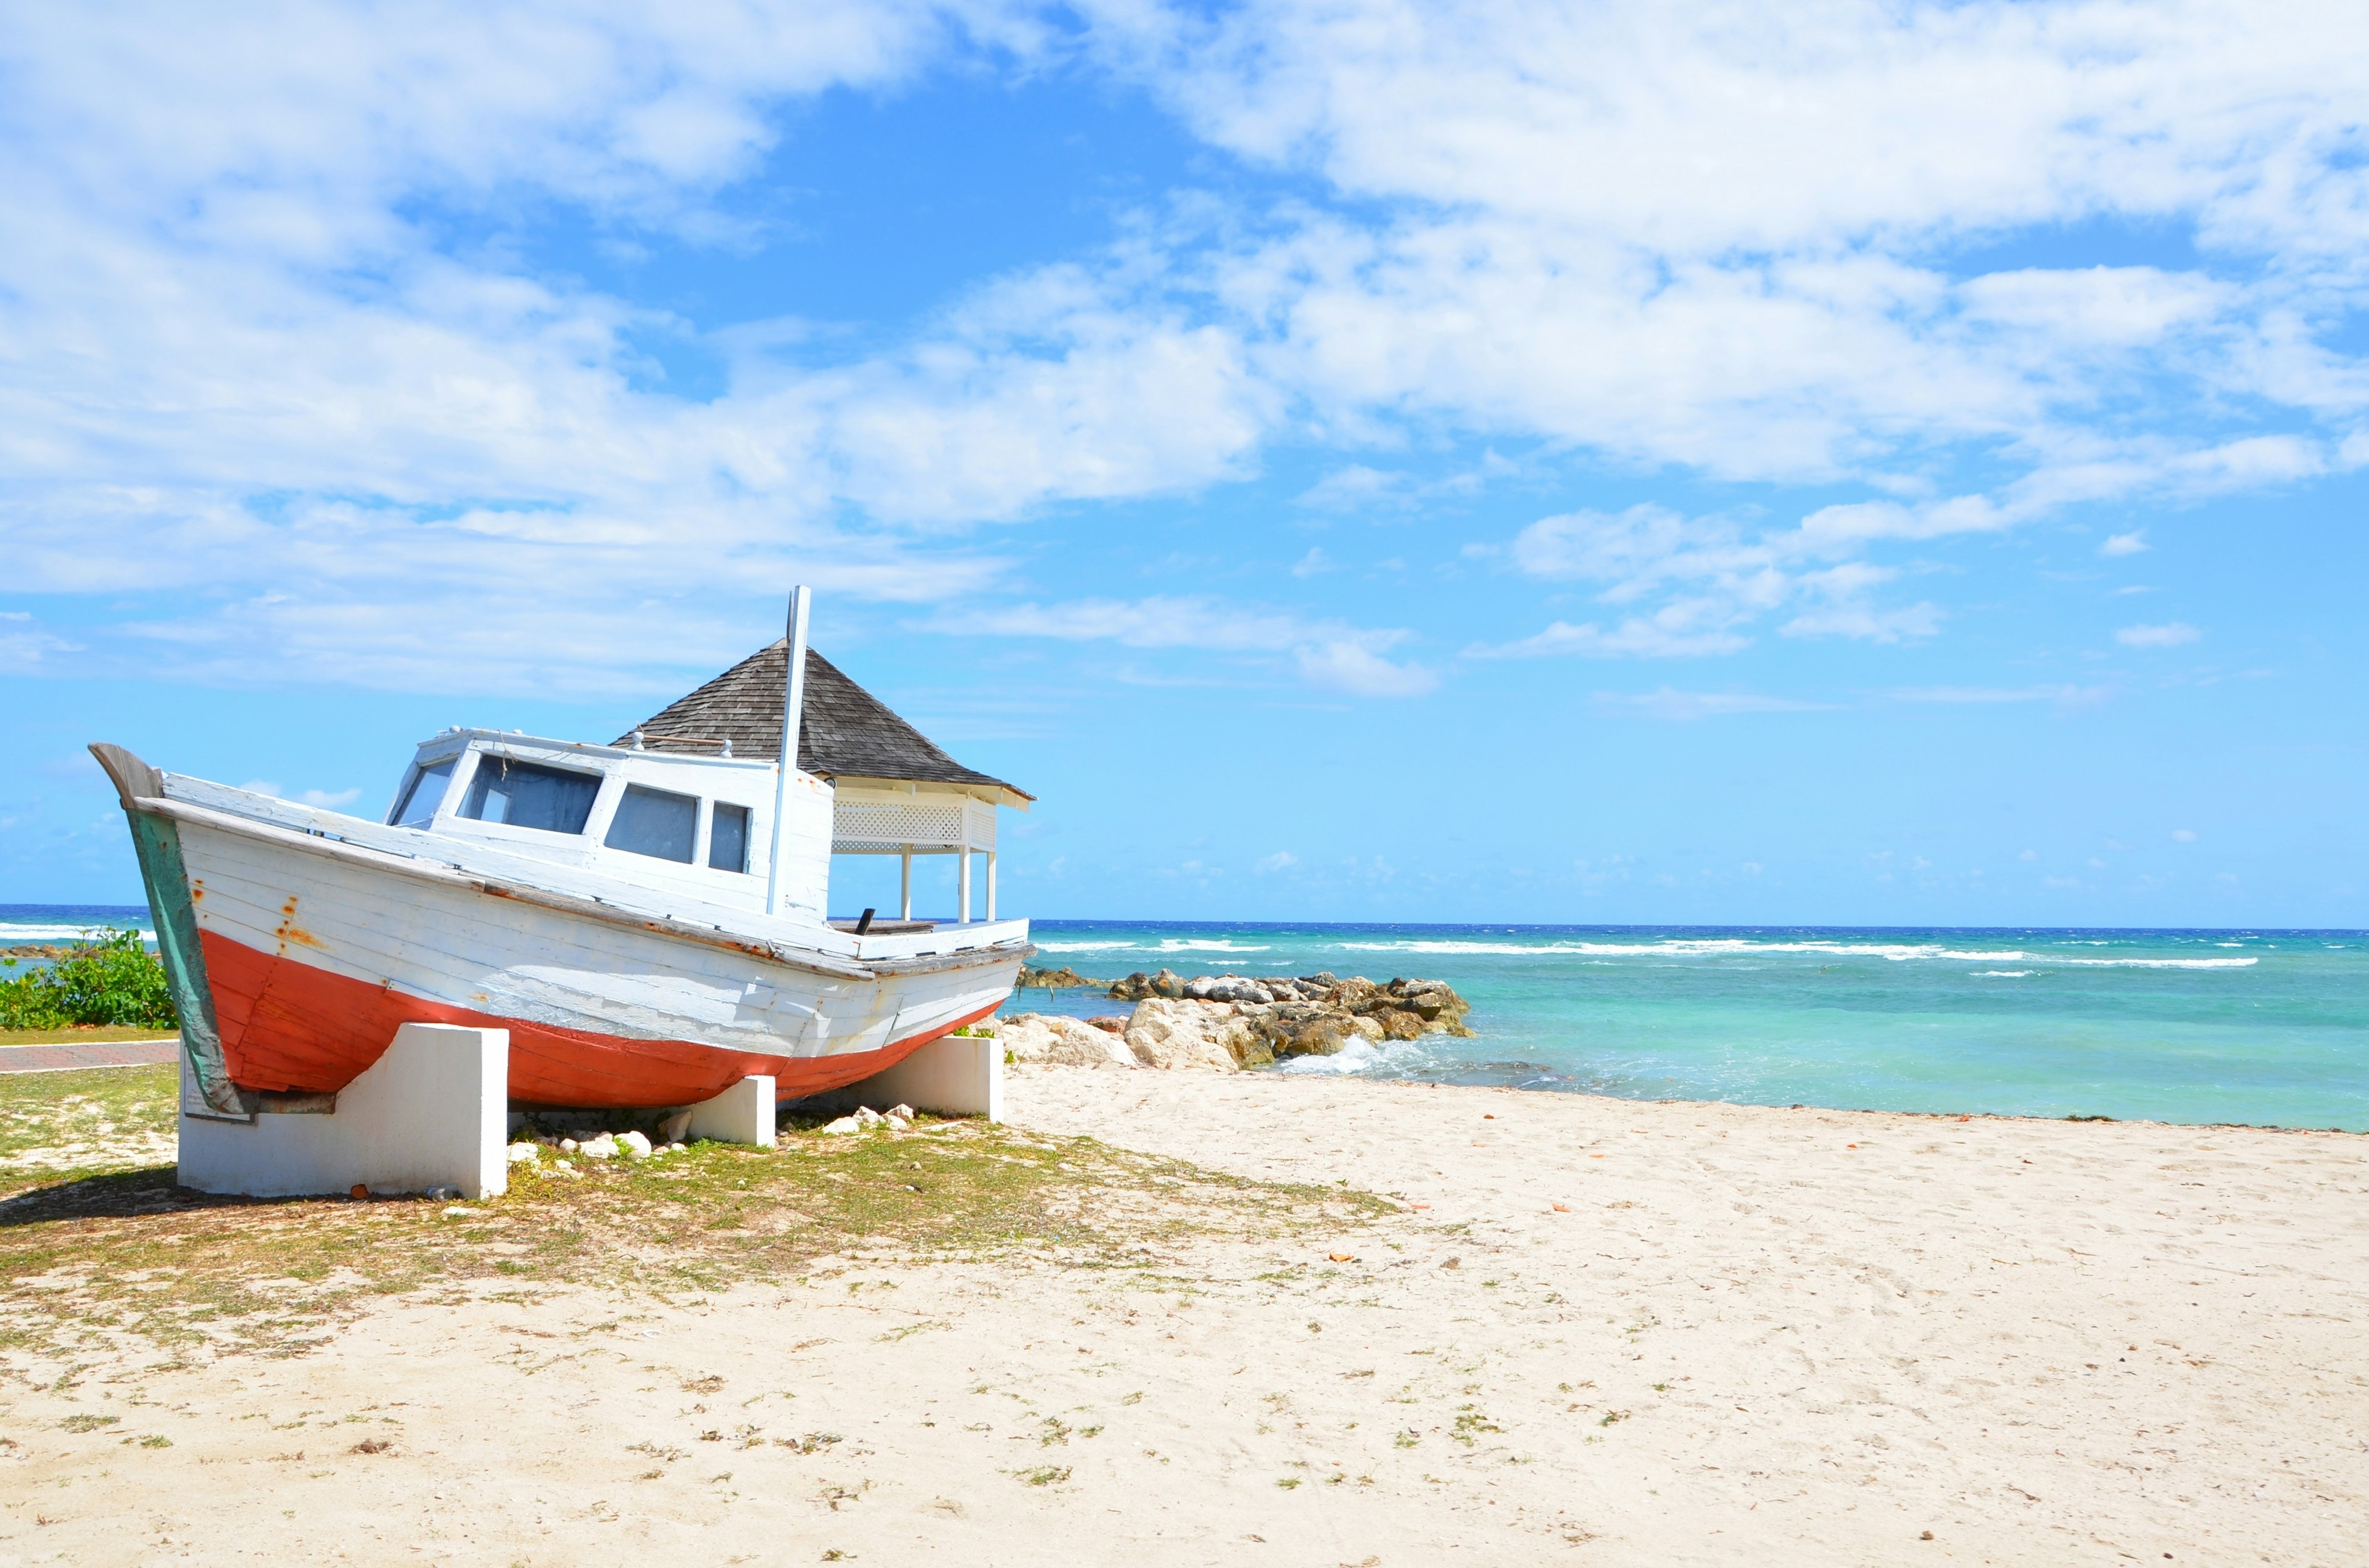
87, 1053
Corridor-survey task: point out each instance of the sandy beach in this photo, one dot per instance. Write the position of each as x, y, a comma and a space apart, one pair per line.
1595, 1331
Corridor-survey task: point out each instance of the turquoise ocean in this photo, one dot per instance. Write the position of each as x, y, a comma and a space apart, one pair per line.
2267, 1027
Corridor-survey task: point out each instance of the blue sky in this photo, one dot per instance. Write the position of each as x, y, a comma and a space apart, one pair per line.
1877, 463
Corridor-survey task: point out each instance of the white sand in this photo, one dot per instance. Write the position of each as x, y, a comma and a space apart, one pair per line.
2044, 1343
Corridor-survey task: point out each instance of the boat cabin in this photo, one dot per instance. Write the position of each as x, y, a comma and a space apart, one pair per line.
684, 801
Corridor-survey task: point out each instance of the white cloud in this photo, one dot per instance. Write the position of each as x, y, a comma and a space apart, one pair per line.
1279, 861
2131, 544
2029, 855
1350, 664
1701, 235
1684, 706
2183, 835
2172, 634
331, 800
1871, 625
227, 272
240, 260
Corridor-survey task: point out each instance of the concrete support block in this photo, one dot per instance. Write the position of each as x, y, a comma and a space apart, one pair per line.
955, 1075
433, 1112
742, 1114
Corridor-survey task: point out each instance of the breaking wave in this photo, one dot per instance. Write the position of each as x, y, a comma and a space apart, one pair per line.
1724, 946
11, 935
2159, 962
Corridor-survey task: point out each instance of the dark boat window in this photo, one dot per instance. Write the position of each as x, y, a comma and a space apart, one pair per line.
728, 838
526, 794
426, 793
654, 822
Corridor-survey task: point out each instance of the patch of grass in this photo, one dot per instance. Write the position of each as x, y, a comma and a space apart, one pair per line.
1469, 1424
1043, 1475
55, 1124
126, 1250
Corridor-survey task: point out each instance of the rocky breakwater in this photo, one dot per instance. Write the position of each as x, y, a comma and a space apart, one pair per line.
1226, 1023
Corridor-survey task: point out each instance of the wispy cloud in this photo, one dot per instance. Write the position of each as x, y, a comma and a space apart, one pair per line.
1326, 653
2171, 633
1684, 706
2132, 544
2068, 696
1715, 580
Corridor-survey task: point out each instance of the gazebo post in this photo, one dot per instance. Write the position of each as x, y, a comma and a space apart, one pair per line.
990, 884
905, 886
964, 877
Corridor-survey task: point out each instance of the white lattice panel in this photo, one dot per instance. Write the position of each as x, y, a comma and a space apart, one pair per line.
860, 825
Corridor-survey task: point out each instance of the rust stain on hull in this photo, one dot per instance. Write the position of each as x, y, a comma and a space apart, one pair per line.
289, 930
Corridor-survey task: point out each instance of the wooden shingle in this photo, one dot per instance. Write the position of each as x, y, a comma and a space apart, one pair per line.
845, 731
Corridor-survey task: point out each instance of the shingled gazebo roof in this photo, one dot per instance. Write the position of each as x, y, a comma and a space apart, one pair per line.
845, 731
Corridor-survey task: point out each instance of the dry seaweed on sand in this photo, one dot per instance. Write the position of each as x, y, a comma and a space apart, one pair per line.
126, 1252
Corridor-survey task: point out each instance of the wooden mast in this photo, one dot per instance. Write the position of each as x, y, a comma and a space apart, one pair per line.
793, 693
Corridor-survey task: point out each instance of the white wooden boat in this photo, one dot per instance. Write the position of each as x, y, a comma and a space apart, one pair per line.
629, 912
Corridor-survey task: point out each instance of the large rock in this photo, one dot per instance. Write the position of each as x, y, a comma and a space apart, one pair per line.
1229, 988
1060, 1042
1252, 1023
1063, 978
1139, 986
1405, 1008
1306, 1029
1209, 1036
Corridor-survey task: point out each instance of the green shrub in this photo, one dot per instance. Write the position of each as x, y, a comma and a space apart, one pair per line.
111, 978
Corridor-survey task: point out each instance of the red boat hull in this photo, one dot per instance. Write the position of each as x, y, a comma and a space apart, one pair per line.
291, 1026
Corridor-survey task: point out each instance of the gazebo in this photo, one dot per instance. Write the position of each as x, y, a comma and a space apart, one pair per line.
894, 791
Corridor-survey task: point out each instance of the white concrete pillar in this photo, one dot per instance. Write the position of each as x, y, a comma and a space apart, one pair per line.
905, 886
990, 884
964, 877
742, 1114
954, 1075
431, 1111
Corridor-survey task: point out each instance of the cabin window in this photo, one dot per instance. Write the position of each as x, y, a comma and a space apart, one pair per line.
654, 822
728, 838
426, 793
526, 794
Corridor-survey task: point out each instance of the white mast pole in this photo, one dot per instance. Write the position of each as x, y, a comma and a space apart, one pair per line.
794, 697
